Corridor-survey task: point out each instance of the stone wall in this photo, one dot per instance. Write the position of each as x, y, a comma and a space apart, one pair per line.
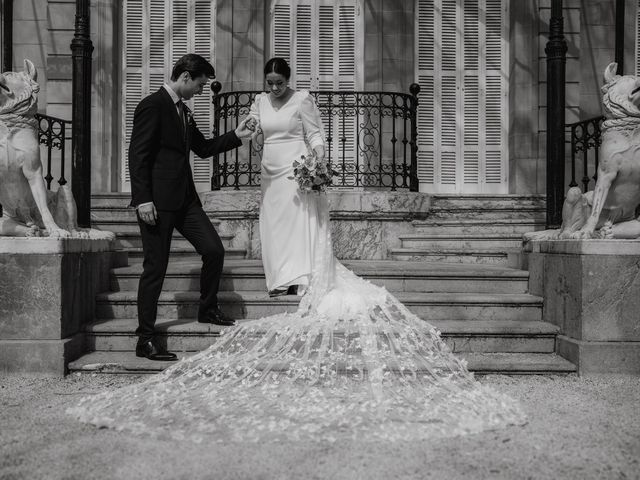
364, 224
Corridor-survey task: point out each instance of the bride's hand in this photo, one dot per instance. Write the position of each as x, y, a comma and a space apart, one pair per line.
252, 123
319, 151
244, 129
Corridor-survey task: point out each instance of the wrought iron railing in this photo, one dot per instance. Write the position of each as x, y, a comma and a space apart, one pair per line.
370, 138
53, 134
585, 140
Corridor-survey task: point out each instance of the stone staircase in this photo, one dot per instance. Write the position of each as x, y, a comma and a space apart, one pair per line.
479, 229
110, 212
482, 307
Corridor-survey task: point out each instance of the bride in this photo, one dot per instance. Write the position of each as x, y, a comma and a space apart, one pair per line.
352, 362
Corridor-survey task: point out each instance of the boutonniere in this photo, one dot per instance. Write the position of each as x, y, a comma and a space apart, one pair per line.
189, 114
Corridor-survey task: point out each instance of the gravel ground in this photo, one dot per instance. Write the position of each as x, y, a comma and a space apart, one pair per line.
578, 428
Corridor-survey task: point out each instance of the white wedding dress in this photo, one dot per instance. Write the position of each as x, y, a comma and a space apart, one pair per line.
352, 362
288, 217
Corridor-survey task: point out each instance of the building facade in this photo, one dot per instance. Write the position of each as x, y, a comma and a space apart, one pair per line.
480, 65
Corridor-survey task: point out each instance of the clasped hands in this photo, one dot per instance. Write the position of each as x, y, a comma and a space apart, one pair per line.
246, 127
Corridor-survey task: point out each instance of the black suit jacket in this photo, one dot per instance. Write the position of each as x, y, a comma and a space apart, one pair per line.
159, 153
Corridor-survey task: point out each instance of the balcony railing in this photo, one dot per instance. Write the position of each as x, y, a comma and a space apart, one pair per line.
586, 137
53, 134
370, 139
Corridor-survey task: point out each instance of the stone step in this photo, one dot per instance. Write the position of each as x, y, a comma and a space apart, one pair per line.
488, 202
481, 363
462, 241
396, 276
109, 200
133, 240
476, 226
506, 257
127, 225
487, 207
186, 253
257, 304
460, 335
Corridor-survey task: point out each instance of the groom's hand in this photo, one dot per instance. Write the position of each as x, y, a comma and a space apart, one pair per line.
245, 128
148, 213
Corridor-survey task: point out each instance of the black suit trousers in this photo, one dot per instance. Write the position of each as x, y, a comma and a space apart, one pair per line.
192, 222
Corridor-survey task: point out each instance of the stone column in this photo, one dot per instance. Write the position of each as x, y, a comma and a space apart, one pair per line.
556, 51
81, 48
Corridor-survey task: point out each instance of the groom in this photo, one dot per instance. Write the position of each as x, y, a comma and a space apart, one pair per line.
165, 198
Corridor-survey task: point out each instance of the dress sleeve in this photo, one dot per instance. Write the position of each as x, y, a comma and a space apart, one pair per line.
311, 121
254, 111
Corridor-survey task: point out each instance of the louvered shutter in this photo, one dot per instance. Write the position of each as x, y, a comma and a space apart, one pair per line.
320, 40
281, 29
302, 55
637, 65
321, 37
202, 44
157, 34
461, 66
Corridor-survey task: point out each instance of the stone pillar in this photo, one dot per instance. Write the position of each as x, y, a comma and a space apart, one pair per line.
47, 295
7, 35
81, 48
591, 290
556, 51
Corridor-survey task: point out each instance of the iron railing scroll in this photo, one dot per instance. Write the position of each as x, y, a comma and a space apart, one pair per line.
54, 133
371, 138
586, 137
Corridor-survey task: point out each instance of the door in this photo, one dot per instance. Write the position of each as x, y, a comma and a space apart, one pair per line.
462, 69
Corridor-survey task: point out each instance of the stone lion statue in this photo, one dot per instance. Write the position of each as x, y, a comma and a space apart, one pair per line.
609, 211
29, 209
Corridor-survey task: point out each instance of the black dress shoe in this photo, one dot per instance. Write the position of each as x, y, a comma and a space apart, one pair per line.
153, 352
216, 316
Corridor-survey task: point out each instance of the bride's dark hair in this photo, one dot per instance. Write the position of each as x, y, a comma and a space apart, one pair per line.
278, 65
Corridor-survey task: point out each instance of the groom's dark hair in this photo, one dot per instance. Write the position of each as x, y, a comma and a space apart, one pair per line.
195, 65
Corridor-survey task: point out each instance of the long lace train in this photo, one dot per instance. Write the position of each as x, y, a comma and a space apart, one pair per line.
351, 362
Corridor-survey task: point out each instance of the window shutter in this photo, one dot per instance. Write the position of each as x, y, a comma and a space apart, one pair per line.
302, 53
346, 60
638, 38
202, 30
462, 116
157, 34
143, 62
329, 64
427, 120
495, 97
281, 30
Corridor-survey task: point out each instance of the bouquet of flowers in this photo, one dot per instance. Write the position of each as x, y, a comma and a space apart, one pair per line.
312, 174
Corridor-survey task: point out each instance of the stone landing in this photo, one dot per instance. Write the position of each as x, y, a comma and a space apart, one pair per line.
591, 290
47, 295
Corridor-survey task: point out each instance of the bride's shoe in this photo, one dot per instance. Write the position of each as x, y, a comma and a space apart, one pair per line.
277, 292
